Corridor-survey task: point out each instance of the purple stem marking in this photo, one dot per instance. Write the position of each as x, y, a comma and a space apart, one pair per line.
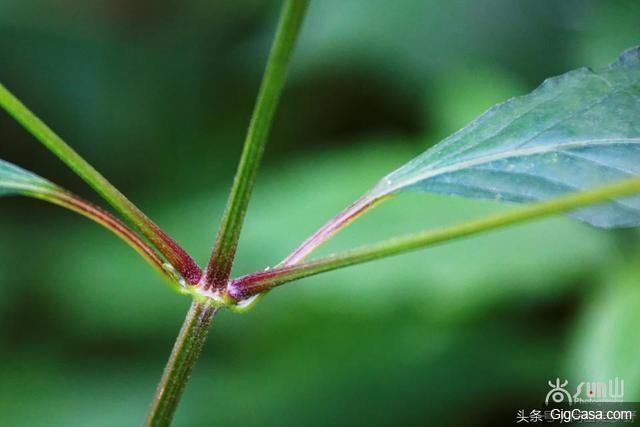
327, 231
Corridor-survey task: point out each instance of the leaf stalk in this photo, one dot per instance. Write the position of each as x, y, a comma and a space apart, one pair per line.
331, 228
76, 204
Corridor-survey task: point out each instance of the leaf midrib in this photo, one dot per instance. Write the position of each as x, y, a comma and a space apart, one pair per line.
524, 152
23, 186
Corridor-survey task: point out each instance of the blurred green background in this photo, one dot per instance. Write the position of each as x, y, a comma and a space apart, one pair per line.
158, 94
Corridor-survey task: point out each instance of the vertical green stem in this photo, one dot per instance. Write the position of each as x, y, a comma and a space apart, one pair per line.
219, 268
184, 356
198, 322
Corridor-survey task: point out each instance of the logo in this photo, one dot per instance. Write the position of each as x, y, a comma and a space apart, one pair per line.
599, 391
586, 391
558, 393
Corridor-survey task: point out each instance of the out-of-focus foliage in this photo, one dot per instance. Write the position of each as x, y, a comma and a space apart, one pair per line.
158, 95
604, 346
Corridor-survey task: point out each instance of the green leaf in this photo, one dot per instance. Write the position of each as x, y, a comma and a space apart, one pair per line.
575, 132
17, 181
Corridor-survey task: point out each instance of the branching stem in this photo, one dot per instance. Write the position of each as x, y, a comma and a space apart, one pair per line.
198, 321
256, 283
43, 133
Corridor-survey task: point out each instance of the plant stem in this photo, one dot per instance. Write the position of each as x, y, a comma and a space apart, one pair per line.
184, 356
43, 133
253, 284
106, 219
327, 231
219, 268
198, 321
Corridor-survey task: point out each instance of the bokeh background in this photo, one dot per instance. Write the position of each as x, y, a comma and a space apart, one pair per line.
158, 94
